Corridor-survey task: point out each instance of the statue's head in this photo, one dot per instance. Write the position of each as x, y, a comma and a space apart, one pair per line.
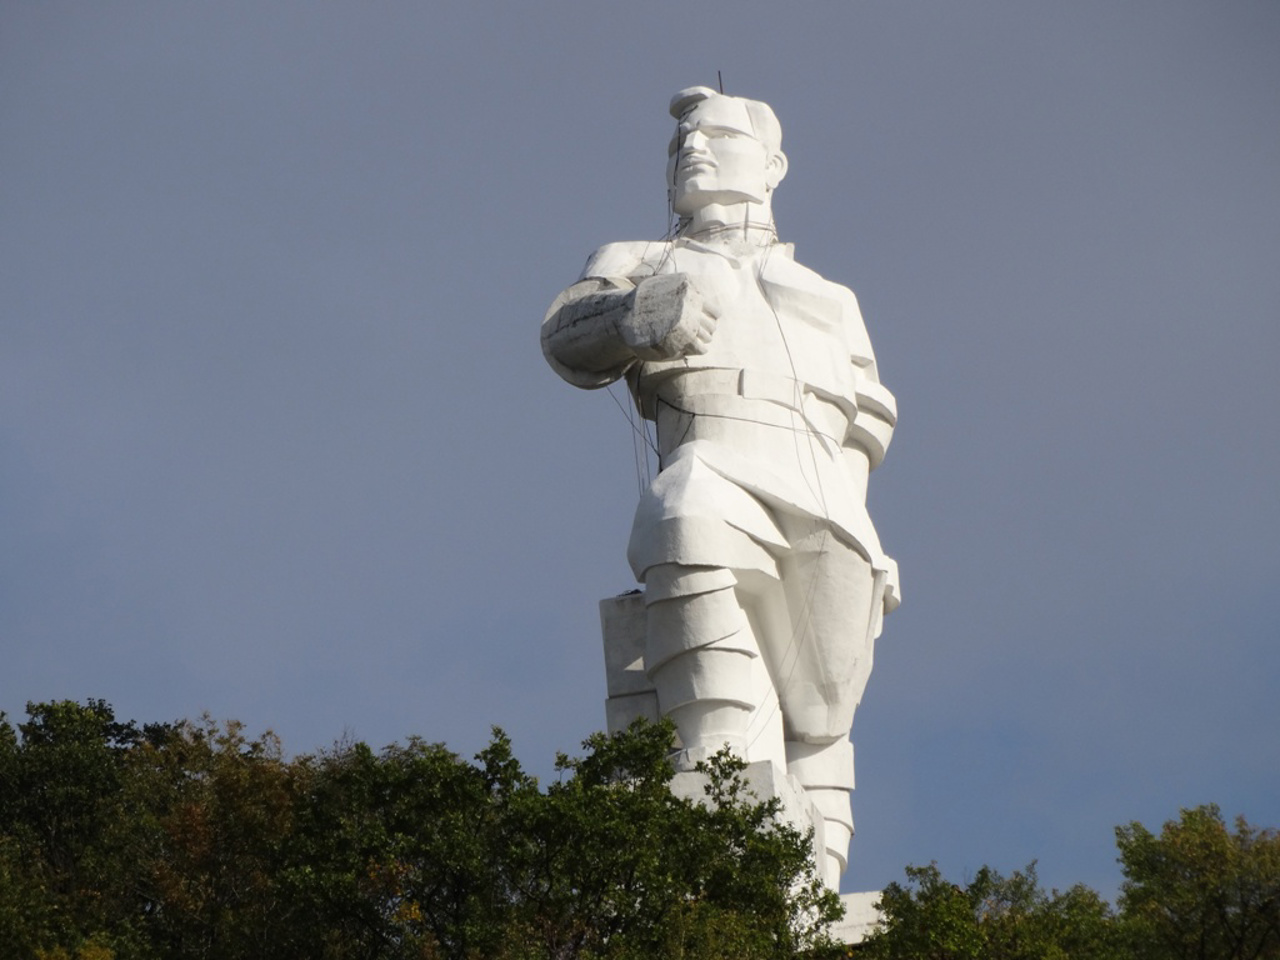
726, 150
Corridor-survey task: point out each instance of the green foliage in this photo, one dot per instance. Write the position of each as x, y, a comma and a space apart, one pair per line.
992, 918
1198, 890
619, 867
63, 798
191, 840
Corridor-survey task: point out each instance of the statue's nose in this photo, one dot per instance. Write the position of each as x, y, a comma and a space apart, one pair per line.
695, 145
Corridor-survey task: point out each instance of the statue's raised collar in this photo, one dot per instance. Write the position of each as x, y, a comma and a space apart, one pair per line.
733, 247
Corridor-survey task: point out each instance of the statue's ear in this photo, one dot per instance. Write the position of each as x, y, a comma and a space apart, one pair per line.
775, 169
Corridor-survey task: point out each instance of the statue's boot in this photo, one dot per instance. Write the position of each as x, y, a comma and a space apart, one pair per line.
698, 654
826, 773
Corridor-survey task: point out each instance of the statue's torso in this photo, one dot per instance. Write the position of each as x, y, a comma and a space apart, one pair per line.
779, 321
770, 404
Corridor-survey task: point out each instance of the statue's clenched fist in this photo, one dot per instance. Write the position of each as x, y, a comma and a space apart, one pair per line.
669, 318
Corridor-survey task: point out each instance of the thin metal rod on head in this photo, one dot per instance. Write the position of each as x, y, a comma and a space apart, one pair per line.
720, 80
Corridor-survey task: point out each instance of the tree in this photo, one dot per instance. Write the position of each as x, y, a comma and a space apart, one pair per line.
397, 854
211, 813
65, 867
992, 918
1200, 891
608, 863
192, 841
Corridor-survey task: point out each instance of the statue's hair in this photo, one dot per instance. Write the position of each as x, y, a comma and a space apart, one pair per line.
764, 123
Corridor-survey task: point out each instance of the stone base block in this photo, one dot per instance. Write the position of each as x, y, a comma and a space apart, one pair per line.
620, 712
622, 626
860, 917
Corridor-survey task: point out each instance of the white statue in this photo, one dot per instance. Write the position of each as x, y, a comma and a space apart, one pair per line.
764, 581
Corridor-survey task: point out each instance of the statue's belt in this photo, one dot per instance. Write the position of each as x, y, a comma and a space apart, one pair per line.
754, 396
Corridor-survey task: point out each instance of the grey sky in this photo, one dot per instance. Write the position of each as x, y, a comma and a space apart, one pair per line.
277, 441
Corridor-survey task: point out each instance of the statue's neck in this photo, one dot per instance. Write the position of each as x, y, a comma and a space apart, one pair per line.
752, 222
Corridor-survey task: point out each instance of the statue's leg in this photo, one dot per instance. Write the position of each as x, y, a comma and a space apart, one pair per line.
832, 595
833, 600
698, 653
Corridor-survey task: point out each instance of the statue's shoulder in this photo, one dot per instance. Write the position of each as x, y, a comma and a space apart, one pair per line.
627, 258
784, 270
786, 266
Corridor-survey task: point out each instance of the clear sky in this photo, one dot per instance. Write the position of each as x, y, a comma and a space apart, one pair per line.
277, 441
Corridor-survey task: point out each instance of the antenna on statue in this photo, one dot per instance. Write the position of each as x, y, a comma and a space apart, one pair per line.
720, 80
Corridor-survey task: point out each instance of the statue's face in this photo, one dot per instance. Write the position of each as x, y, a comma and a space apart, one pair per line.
716, 158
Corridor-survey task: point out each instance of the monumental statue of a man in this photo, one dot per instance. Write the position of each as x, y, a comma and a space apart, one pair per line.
764, 581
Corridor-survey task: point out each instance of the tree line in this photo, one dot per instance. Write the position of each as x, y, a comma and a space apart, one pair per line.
1197, 890
193, 840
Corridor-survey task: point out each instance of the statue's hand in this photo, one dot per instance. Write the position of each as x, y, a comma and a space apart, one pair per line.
669, 319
